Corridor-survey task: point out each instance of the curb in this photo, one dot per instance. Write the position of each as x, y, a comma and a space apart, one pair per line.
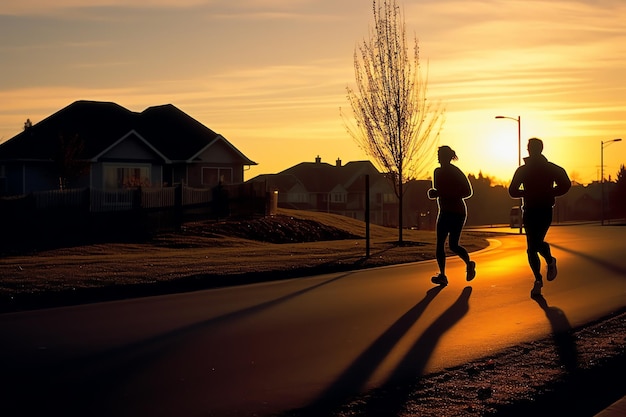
617, 409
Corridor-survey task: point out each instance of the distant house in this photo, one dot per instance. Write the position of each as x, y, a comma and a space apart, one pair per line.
338, 188
102, 145
583, 201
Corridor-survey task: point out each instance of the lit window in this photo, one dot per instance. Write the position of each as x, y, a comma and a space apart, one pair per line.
126, 176
215, 176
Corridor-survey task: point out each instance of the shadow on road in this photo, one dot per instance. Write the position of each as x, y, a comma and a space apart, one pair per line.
396, 391
77, 385
601, 262
354, 377
562, 334
414, 363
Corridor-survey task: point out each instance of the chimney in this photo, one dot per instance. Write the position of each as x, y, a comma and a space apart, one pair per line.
318, 159
338, 163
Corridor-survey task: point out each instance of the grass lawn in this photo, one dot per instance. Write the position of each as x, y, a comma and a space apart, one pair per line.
209, 254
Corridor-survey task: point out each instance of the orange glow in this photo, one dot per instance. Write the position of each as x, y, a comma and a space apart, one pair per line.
270, 75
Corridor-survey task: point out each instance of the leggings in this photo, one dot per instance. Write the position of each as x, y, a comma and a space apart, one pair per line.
536, 223
450, 224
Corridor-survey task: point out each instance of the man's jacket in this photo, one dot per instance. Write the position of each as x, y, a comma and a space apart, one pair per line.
538, 182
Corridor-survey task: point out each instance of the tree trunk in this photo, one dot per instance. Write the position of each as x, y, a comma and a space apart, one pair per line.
400, 198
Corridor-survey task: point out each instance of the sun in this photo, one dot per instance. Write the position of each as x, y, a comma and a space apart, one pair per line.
499, 151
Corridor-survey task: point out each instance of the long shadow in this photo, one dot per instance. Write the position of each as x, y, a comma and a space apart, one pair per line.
78, 385
398, 387
608, 265
351, 381
562, 334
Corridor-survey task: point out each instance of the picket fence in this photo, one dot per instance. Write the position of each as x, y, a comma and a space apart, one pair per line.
97, 200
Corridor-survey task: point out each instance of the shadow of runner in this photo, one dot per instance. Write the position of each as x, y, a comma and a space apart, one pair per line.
398, 387
596, 260
92, 384
352, 380
561, 333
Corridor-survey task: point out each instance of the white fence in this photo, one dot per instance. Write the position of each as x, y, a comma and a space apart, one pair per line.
194, 196
158, 197
120, 200
240, 197
60, 198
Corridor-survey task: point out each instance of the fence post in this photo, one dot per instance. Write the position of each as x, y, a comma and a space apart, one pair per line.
178, 206
137, 198
87, 201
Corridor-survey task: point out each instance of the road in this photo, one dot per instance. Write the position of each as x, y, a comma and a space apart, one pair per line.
262, 348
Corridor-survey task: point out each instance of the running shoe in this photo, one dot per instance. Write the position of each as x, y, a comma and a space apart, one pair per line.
471, 271
551, 274
440, 279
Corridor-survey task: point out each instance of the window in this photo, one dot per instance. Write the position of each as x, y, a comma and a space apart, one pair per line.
126, 176
215, 176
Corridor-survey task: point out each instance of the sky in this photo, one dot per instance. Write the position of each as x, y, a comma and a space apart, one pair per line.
271, 75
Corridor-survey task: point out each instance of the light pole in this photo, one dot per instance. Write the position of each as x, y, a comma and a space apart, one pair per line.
602, 146
518, 119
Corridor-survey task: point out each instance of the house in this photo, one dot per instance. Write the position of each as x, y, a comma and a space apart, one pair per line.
102, 145
338, 188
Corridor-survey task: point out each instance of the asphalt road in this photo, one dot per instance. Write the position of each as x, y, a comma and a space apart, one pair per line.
259, 349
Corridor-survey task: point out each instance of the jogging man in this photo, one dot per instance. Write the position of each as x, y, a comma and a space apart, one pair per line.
538, 182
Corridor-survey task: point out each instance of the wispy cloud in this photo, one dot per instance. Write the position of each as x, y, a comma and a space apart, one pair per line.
274, 71
43, 7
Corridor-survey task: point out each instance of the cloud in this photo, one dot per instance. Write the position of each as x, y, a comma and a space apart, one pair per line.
41, 7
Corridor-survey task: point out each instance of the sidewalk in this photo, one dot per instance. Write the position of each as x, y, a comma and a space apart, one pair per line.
617, 409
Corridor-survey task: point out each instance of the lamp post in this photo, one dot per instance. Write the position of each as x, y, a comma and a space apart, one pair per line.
603, 145
518, 119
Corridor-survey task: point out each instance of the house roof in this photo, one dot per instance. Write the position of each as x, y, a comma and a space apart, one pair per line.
321, 177
281, 182
168, 130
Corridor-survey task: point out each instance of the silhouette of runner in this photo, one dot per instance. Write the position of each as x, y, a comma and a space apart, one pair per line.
450, 187
538, 182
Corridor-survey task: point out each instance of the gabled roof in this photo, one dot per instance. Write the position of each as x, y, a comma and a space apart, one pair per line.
281, 182
322, 177
222, 139
317, 177
100, 125
140, 138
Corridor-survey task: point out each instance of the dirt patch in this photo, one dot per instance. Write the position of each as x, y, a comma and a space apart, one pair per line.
272, 229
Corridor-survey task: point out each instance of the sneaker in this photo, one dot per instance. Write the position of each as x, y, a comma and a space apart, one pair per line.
471, 271
440, 280
536, 288
551, 274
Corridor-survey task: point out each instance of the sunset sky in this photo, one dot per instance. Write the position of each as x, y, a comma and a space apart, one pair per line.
271, 75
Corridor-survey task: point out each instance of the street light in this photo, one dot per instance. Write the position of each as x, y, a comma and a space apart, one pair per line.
602, 146
518, 119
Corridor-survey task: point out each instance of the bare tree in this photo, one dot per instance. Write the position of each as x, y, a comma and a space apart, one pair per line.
393, 122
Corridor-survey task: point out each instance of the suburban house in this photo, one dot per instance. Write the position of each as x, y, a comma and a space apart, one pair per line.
102, 145
338, 188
